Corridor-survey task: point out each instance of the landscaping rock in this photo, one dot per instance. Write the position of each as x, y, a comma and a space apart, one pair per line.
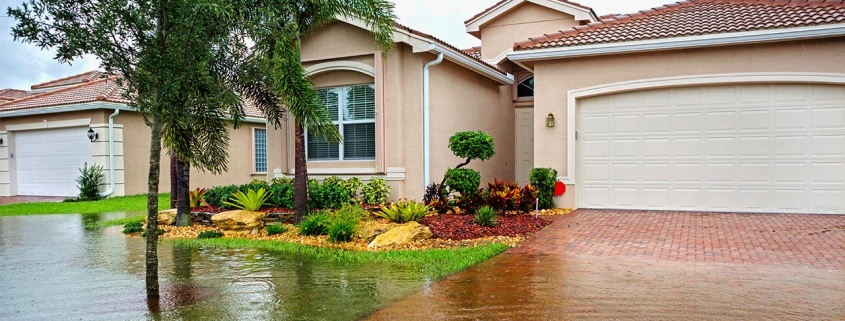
166, 217
239, 221
406, 233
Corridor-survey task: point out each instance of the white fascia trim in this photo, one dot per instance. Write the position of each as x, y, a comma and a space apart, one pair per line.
498, 59
257, 120
64, 108
472, 64
421, 44
573, 96
579, 13
722, 39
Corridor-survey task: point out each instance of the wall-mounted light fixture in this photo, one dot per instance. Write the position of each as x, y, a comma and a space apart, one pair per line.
550, 120
92, 135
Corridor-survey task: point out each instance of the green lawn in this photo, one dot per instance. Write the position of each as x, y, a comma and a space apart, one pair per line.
115, 204
435, 264
120, 221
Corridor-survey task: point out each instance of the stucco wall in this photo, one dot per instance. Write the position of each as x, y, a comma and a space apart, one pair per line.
137, 155
525, 21
554, 78
462, 100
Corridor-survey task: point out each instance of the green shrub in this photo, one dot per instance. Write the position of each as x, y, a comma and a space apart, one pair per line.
281, 181
256, 184
463, 180
276, 229
343, 223
210, 235
281, 195
133, 227
160, 232
486, 216
352, 186
403, 211
544, 180
218, 195
331, 195
314, 224
472, 145
88, 182
251, 200
376, 191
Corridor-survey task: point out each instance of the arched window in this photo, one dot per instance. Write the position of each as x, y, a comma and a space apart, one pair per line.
525, 88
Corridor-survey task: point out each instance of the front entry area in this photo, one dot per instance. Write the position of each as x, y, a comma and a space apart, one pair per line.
743, 148
524, 144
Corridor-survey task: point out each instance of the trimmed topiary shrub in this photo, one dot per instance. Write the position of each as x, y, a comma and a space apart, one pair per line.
544, 180
463, 180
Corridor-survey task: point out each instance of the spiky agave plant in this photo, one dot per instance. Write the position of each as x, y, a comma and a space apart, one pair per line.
250, 201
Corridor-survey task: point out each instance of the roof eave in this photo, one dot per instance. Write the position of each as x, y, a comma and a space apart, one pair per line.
722, 39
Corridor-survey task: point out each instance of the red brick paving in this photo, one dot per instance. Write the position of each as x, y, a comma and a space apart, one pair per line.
5, 200
798, 240
646, 265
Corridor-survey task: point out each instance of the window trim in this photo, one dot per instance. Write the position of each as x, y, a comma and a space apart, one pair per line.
340, 122
254, 162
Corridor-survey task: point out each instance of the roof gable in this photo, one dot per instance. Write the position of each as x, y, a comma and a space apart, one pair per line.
580, 12
695, 18
70, 80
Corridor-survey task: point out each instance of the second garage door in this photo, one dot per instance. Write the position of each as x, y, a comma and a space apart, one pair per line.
747, 148
48, 161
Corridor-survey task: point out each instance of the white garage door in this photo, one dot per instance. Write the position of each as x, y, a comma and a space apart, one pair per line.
751, 148
48, 161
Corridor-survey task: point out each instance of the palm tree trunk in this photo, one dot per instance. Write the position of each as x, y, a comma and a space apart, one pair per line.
183, 179
152, 210
174, 192
300, 183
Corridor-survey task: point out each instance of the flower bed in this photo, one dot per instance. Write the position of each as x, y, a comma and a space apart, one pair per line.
461, 227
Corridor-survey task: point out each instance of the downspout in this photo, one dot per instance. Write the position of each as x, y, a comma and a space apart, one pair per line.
427, 118
111, 155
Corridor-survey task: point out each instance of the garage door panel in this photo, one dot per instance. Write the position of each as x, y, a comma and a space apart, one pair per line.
762, 148
48, 161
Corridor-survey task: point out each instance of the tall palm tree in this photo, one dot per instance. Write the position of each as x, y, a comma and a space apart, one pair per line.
277, 32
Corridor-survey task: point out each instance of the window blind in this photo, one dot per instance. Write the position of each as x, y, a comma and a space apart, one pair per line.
357, 104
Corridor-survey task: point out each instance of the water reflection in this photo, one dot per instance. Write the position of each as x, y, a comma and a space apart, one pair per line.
52, 268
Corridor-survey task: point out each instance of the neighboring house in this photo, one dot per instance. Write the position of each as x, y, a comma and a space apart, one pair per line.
723, 105
44, 141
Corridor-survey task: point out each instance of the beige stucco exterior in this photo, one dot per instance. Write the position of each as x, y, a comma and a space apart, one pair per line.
132, 148
460, 100
556, 78
525, 21
137, 155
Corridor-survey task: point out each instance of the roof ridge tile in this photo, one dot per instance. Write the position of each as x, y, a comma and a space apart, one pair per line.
54, 92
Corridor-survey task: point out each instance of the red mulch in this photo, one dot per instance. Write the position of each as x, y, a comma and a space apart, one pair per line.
461, 227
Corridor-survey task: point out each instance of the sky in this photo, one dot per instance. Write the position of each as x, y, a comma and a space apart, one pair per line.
22, 65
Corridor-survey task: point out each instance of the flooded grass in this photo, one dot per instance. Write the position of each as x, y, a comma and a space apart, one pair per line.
115, 222
435, 264
114, 204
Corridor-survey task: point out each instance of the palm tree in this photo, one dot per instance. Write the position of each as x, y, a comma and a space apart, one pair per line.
277, 32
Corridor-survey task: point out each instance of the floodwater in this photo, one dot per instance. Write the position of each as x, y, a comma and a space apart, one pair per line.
51, 268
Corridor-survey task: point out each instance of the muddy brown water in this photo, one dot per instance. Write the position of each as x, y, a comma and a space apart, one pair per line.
51, 268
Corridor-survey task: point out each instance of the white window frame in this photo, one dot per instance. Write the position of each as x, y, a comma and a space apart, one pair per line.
340, 122
254, 154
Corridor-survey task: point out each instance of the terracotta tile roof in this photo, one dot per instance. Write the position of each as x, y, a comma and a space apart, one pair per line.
447, 45
475, 52
103, 89
503, 1
12, 94
695, 17
72, 80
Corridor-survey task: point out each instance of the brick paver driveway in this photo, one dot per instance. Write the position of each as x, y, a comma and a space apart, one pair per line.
602, 264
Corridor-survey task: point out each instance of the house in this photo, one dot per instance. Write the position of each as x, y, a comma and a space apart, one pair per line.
44, 141
723, 105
